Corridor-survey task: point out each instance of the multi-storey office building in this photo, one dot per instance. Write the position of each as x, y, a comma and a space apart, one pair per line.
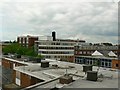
70, 40
60, 50
27, 41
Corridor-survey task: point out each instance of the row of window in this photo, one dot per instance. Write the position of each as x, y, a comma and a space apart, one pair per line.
84, 52
94, 47
56, 47
94, 61
87, 52
58, 57
23, 40
55, 43
46, 52
87, 58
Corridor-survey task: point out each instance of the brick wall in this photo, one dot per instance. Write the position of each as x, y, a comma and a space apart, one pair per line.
9, 64
116, 64
25, 79
31, 41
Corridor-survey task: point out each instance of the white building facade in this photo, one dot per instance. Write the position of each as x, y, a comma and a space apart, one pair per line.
59, 50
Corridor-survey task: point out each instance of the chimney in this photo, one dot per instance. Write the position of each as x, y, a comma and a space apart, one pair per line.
54, 36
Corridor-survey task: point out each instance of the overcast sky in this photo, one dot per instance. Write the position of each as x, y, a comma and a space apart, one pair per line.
90, 21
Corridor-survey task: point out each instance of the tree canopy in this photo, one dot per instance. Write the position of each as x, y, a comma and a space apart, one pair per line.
18, 49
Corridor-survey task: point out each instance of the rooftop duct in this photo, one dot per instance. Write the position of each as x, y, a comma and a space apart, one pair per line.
87, 68
44, 64
92, 75
66, 79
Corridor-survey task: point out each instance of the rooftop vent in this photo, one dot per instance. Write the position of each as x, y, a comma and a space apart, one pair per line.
55, 65
87, 68
92, 75
44, 64
71, 67
18, 56
66, 79
37, 59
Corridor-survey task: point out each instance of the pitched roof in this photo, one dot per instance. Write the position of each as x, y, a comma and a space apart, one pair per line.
97, 53
111, 53
104, 53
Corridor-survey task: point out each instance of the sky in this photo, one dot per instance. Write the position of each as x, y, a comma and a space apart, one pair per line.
94, 22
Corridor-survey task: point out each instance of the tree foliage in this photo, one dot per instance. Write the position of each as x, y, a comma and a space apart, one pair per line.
18, 49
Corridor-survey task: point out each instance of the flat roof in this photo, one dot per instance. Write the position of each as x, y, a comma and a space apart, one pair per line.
110, 80
50, 72
18, 61
106, 82
51, 75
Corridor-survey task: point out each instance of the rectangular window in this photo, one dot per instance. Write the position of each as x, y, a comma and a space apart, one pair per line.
109, 64
19, 40
106, 64
84, 52
23, 40
102, 63
117, 65
17, 74
91, 62
80, 52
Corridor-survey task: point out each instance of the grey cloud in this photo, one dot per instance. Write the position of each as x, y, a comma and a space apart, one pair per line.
69, 20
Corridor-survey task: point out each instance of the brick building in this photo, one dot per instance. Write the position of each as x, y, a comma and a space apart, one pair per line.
87, 50
19, 78
27, 41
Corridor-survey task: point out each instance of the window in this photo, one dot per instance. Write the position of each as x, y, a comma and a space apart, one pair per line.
102, 63
109, 64
106, 64
117, 65
17, 74
23, 40
90, 62
80, 52
84, 52
75, 52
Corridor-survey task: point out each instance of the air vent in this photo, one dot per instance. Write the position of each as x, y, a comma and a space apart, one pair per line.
87, 68
55, 65
66, 79
44, 64
92, 75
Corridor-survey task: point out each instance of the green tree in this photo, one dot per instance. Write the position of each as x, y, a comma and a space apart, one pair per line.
40, 56
30, 52
11, 48
18, 49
